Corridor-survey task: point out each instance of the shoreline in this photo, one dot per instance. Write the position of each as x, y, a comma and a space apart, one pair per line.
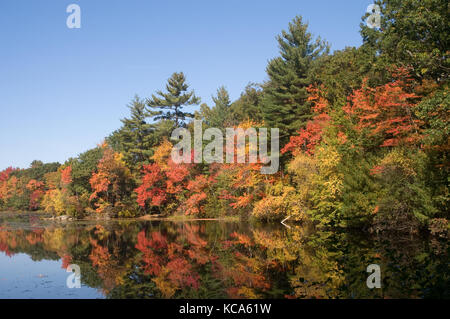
46, 216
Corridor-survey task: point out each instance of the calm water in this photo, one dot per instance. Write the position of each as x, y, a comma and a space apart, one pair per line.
211, 259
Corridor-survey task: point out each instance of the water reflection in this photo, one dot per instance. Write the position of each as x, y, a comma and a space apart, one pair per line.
210, 259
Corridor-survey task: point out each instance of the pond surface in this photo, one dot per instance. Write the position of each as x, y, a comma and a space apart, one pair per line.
211, 259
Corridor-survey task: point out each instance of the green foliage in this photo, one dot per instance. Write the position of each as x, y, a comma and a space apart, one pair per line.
82, 168
434, 112
404, 200
136, 137
343, 71
413, 33
219, 115
280, 201
368, 131
249, 104
36, 171
360, 190
169, 106
285, 97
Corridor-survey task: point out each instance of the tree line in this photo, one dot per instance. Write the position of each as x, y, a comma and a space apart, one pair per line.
364, 134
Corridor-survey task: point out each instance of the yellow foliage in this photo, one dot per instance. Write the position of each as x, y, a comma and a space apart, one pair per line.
58, 201
328, 160
53, 201
118, 157
248, 293
278, 248
318, 275
162, 154
276, 204
397, 158
165, 286
250, 123
53, 240
303, 167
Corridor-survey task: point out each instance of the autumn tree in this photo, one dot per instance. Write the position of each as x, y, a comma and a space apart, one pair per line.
58, 197
412, 33
111, 184
309, 137
82, 168
161, 180
37, 192
386, 112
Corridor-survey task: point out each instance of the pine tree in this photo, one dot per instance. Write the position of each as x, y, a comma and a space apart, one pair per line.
248, 106
219, 115
285, 100
169, 106
222, 108
136, 137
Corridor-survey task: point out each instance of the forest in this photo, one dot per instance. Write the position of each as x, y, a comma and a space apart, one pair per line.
364, 139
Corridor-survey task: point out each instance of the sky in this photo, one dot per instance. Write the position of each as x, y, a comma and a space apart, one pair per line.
63, 90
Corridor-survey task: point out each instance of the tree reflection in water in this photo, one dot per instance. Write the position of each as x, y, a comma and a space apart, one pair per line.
210, 259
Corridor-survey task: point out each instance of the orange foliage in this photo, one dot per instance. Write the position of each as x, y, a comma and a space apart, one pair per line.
150, 187
386, 111
111, 181
37, 193
309, 137
66, 176
99, 254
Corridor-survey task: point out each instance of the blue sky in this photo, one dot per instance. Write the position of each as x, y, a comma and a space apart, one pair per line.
63, 90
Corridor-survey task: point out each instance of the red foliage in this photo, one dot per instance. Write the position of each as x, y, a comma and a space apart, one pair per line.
159, 182
194, 204
5, 189
99, 255
309, 137
66, 176
150, 188
386, 111
66, 260
4, 175
99, 183
174, 259
37, 192
242, 201
181, 273
247, 268
175, 173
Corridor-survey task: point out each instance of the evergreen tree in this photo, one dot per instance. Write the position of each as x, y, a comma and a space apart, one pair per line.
169, 106
221, 110
285, 100
248, 106
219, 115
136, 137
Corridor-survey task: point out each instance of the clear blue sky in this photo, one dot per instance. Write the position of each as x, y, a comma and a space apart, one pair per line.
63, 90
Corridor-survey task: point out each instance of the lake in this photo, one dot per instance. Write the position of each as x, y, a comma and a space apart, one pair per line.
211, 259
